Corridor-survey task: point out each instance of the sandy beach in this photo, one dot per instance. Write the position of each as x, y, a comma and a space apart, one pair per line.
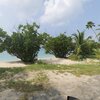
48, 61
11, 64
61, 61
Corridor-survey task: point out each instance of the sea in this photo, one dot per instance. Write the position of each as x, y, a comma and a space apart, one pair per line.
7, 57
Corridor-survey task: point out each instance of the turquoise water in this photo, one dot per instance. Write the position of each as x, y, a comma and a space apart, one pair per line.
6, 57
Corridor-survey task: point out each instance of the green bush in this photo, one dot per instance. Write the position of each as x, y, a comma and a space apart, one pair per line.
84, 47
88, 49
25, 43
59, 46
97, 53
75, 57
3, 36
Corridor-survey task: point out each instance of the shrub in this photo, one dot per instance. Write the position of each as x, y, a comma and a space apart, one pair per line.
25, 43
84, 46
97, 53
88, 49
59, 46
75, 57
3, 36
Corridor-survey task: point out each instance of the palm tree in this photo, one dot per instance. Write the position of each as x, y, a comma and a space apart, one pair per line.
98, 35
90, 25
80, 41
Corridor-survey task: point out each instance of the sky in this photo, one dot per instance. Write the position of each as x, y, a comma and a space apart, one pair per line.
53, 16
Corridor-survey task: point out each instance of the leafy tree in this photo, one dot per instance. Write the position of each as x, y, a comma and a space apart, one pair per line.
25, 43
59, 46
44, 38
3, 36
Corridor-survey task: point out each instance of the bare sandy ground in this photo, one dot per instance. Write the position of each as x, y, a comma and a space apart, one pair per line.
62, 85
49, 61
61, 61
83, 88
11, 64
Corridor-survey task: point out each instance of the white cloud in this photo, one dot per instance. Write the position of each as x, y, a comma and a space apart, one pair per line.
60, 11
44, 11
21, 9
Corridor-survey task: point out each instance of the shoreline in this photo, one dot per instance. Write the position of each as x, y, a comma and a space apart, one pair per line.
11, 64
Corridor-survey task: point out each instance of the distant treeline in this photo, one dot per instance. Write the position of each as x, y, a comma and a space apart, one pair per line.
26, 42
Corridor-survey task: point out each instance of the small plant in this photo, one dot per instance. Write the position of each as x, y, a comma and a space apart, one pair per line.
41, 79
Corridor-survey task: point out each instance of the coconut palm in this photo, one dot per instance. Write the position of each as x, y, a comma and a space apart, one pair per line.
90, 25
98, 35
80, 42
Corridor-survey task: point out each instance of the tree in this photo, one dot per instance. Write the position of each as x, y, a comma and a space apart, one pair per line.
3, 36
59, 46
98, 35
90, 25
97, 53
25, 43
84, 46
44, 38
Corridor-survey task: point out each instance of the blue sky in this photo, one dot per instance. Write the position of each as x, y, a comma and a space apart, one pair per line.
54, 16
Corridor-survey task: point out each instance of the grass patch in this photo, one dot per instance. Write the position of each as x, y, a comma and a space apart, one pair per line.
38, 83
24, 86
6, 73
77, 69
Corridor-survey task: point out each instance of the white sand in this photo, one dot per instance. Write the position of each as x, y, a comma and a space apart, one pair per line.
48, 60
11, 64
61, 61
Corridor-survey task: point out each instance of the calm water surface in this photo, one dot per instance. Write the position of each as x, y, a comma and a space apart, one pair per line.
6, 57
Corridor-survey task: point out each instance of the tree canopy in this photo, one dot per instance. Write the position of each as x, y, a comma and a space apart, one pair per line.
59, 46
3, 36
25, 43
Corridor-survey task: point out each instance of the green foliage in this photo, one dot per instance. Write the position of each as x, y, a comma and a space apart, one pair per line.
97, 53
59, 46
75, 57
84, 46
25, 43
88, 48
5, 73
44, 38
3, 36
90, 24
